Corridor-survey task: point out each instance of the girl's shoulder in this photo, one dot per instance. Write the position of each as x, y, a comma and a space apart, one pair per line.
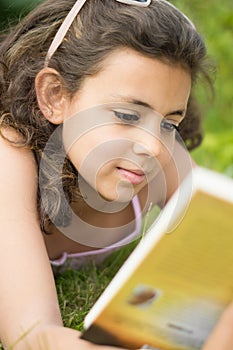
11, 144
17, 164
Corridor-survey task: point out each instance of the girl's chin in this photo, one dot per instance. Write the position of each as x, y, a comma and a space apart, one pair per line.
123, 194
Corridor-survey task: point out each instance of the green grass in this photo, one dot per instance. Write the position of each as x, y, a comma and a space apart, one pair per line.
78, 290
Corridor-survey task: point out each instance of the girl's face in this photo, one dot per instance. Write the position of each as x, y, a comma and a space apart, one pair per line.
119, 127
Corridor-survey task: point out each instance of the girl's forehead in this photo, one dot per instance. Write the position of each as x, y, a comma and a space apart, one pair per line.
130, 77
127, 61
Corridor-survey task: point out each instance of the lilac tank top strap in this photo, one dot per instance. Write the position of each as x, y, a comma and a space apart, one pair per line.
131, 237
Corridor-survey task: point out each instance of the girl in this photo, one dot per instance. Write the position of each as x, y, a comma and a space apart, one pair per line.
88, 119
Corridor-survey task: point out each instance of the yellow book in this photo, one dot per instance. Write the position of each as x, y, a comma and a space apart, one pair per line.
172, 289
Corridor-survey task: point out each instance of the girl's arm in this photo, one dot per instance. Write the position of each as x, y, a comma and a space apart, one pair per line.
30, 316
28, 299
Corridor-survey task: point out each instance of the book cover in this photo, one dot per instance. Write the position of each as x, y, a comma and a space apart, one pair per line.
173, 288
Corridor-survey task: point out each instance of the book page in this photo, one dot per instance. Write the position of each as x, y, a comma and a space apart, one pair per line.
177, 294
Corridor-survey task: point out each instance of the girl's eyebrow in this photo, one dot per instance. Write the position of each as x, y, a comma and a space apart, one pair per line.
129, 99
132, 100
180, 112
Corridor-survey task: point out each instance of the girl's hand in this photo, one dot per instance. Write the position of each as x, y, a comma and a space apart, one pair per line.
58, 338
222, 335
63, 338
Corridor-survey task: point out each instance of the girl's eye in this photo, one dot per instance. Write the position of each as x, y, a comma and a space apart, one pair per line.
126, 117
168, 126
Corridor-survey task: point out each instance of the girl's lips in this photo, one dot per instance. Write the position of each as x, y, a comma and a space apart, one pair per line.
134, 176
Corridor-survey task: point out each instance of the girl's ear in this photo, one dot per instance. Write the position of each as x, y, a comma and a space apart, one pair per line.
51, 95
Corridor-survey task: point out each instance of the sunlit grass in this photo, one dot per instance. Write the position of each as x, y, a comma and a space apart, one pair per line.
79, 289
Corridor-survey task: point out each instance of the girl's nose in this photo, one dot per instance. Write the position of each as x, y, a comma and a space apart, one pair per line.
148, 145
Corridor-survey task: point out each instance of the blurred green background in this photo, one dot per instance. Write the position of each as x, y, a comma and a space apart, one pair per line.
214, 19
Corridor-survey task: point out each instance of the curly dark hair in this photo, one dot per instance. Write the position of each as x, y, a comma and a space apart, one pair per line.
157, 31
